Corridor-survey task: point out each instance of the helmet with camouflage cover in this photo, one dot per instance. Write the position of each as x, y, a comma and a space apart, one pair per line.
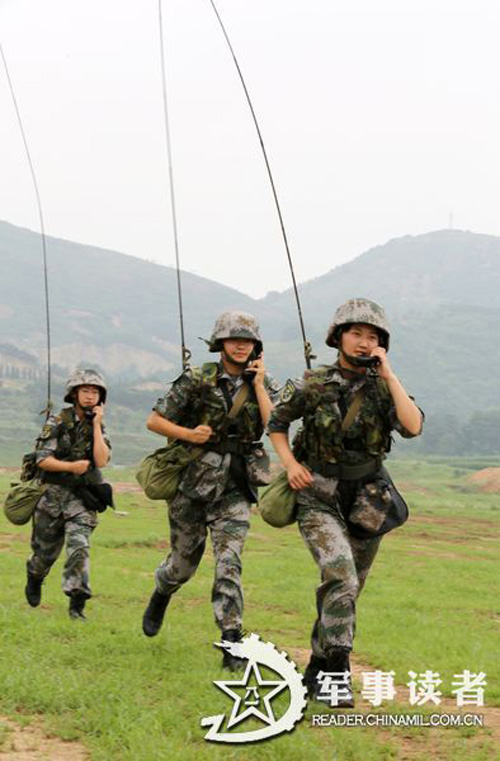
84, 377
361, 311
235, 325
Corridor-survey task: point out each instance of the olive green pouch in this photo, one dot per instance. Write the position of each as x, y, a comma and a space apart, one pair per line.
21, 500
159, 473
277, 502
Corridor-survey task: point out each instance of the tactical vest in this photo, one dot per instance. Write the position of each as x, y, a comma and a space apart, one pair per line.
72, 445
210, 409
321, 438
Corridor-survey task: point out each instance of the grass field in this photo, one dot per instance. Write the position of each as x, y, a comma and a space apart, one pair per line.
431, 602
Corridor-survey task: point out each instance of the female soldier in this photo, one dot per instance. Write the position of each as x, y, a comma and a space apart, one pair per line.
336, 466
217, 489
71, 450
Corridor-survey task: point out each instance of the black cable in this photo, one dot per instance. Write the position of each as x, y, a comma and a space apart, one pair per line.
307, 346
186, 354
42, 228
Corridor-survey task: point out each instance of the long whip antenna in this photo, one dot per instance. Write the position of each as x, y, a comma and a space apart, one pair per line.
49, 406
186, 354
308, 355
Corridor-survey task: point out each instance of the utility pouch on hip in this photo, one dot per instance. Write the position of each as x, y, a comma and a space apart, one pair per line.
97, 497
206, 477
377, 509
258, 465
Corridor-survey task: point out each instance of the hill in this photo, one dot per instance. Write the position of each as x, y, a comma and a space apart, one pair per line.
441, 290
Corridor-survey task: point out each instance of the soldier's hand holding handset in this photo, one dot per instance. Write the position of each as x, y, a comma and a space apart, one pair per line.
257, 368
407, 411
383, 367
101, 452
97, 415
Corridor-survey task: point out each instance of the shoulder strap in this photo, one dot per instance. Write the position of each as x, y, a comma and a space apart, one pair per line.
209, 378
239, 400
353, 410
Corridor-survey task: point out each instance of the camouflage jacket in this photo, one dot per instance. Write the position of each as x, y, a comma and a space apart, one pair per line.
321, 398
198, 397
67, 438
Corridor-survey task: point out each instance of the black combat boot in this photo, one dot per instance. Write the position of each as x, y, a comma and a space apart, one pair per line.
77, 602
337, 659
33, 590
154, 613
315, 665
230, 661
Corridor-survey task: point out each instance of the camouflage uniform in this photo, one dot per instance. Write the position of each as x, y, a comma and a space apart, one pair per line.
60, 515
215, 492
321, 398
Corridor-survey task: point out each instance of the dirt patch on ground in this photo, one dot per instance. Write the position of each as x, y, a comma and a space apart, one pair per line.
408, 486
6, 540
452, 522
32, 743
454, 530
486, 480
129, 487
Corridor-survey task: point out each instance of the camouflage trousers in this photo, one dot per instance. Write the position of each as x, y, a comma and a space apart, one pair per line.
343, 561
228, 521
60, 518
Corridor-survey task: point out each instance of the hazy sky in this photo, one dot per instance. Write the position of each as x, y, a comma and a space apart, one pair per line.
381, 118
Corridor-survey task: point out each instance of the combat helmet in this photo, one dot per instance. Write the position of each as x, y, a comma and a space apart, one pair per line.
235, 325
84, 377
359, 311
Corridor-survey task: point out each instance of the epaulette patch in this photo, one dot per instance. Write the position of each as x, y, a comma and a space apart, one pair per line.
287, 391
47, 431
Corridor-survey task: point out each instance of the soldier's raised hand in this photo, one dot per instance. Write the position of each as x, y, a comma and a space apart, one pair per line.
384, 369
98, 411
257, 367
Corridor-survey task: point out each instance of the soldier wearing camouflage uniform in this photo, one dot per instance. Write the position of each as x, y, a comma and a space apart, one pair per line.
217, 489
329, 465
70, 450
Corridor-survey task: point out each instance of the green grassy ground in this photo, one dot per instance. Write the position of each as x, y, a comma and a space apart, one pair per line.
429, 604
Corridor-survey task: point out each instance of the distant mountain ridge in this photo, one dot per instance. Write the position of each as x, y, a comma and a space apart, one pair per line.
443, 267
441, 291
138, 299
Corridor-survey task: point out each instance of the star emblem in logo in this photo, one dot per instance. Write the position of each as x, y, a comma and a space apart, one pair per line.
252, 696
